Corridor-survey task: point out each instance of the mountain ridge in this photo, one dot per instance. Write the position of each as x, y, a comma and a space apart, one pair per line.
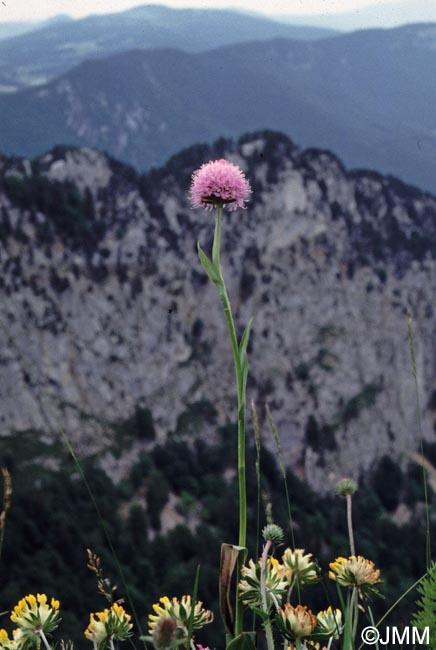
39, 56
105, 299
364, 95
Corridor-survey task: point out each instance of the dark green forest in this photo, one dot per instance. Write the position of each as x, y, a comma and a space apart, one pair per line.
53, 520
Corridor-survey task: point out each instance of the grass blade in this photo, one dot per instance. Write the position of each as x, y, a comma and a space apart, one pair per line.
282, 468
193, 601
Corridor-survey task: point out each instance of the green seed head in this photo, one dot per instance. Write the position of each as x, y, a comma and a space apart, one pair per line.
345, 487
273, 533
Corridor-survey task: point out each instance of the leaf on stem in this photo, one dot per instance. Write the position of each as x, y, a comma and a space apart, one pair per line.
242, 642
193, 602
208, 266
244, 341
229, 558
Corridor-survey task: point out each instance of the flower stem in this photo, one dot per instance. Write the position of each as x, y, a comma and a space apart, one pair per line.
267, 624
350, 524
222, 291
44, 639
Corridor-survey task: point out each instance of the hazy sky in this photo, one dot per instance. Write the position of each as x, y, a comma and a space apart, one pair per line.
39, 9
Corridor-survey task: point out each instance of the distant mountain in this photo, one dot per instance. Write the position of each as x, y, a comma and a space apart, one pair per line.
11, 29
369, 95
38, 56
379, 14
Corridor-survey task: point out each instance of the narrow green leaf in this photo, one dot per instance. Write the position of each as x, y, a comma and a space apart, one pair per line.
208, 266
244, 341
244, 641
244, 370
193, 601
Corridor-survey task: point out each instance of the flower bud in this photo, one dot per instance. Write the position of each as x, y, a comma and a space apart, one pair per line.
345, 487
165, 632
273, 533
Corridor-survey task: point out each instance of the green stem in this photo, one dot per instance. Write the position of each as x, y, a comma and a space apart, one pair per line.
44, 639
241, 405
267, 624
350, 524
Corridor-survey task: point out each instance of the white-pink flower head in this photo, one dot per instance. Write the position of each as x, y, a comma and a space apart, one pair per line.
219, 183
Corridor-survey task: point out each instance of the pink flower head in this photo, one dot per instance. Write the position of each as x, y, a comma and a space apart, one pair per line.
219, 182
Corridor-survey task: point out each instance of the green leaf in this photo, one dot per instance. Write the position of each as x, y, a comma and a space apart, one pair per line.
242, 642
193, 601
229, 558
244, 370
260, 613
244, 341
208, 266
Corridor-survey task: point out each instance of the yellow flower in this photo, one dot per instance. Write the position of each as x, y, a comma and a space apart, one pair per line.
276, 583
110, 624
6, 643
180, 611
301, 567
355, 572
96, 631
295, 622
329, 623
33, 614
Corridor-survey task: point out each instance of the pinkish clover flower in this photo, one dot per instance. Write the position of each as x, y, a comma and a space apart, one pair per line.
219, 183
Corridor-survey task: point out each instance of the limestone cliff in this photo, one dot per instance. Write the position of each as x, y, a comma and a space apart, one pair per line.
104, 306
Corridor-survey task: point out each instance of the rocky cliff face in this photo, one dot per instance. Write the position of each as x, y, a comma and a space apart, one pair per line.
105, 307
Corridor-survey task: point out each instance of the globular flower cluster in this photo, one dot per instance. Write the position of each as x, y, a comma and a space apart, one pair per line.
355, 572
179, 611
296, 568
302, 569
110, 625
299, 622
329, 623
295, 622
10, 644
276, 583
219, 183
35, 616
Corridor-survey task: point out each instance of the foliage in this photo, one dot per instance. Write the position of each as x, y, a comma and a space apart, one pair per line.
425, 617
52, 523
69, 213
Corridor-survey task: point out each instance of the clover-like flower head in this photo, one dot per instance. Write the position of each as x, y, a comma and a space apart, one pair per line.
108, 625
10, 644
302, 569
180, 611
164, 633
219, 183
276, 583
34, 614
295, 622
355, 572
329, 623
